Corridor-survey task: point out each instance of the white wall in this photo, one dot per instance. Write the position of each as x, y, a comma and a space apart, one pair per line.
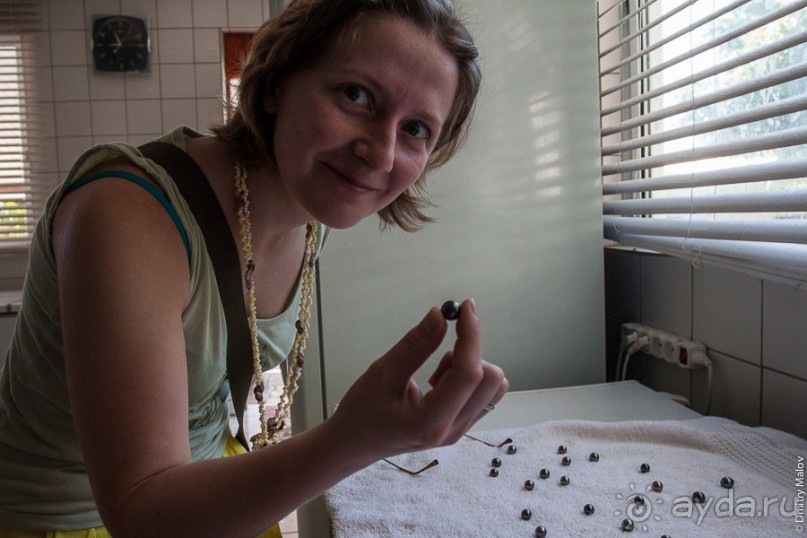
183, 85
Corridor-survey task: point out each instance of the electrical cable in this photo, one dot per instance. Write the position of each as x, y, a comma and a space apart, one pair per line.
636, 346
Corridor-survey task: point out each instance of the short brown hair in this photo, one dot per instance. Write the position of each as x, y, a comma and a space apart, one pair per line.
300, 35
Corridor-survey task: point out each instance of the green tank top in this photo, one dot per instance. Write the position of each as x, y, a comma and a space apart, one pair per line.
43, 480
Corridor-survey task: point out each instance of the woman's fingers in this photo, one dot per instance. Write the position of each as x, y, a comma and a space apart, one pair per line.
461, 372
401, 362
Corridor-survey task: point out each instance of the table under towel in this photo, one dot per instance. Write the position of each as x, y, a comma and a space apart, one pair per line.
459, 497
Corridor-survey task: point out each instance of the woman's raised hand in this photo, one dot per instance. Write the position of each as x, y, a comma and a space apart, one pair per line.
387, 413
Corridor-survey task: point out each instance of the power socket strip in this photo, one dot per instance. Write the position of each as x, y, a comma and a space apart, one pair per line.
668, 346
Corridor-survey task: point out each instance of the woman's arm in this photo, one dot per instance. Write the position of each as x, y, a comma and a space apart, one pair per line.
124, 284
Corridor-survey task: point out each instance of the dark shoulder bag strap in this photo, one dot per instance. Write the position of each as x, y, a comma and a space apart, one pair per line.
201, 199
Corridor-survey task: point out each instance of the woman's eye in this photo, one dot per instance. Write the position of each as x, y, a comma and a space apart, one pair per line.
357, 94
416, 129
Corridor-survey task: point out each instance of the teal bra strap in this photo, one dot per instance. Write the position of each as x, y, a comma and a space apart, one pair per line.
157, 193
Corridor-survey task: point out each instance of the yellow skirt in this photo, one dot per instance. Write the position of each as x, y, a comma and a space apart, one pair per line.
233, 448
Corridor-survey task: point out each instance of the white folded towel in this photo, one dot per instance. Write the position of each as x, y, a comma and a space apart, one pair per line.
460, 498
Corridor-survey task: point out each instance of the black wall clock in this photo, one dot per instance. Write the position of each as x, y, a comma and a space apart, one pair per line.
120, 43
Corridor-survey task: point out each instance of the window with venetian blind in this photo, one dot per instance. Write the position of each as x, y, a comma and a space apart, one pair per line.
25, 161
704, 131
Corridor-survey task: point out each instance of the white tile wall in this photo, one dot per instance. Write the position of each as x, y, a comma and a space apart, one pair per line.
176, 112
666, 294
73, 118
143, 85
174, 14
70, 83
183, 84
141, 8
727, 312
207, 45
783, 403
108, 118
107, 86
209, 14
177, 80
69, 47
784, 329
736, 389
243, 13
66, 14
144, 116
622, 286
176, 46
754, 329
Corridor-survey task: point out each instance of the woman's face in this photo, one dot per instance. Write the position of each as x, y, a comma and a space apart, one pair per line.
356, 130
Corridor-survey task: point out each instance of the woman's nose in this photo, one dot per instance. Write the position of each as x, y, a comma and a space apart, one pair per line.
377, 147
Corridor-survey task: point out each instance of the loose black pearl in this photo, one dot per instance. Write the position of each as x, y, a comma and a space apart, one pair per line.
645, 467
540, 531
564, 480
511, 449
562, 449
528, 485
727, 482
450, 309
698, 497
593, 457
526, 514
627, 525
496, 462
657, 486
494, 472
588, 509
566, 461
665, 536
638, 500
544, 473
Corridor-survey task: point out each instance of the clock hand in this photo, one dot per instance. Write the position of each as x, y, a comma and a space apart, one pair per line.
118, 40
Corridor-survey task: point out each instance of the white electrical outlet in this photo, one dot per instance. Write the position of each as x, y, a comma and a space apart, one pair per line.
668, 346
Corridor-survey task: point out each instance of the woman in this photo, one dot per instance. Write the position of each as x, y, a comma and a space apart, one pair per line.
113, 390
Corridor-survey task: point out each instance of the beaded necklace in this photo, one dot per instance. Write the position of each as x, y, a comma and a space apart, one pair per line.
270, 429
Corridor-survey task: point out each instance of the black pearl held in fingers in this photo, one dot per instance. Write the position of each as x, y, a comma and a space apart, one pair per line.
526, 514
540, 531
727, 482
450, 309
588, 509
544, 473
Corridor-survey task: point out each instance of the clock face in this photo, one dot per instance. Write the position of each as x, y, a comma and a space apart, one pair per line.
120, 43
